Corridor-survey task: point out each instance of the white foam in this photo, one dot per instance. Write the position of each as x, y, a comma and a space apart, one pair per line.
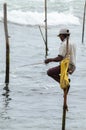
36, 18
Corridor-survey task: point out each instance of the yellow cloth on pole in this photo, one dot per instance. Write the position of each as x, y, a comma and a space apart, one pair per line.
64, 82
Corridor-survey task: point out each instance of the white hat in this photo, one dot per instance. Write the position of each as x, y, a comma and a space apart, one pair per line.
64, 31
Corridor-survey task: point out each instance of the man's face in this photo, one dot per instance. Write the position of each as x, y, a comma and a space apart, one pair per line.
61, 36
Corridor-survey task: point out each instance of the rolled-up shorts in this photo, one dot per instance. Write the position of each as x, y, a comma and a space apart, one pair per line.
71, 67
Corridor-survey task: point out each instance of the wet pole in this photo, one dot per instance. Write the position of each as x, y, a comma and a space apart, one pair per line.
46, 39
64, 114
7, 45
83, 28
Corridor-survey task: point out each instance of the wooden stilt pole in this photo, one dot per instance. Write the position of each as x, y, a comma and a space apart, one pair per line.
65, 92
83, 29
7, 45
46, 39
64, 113
64, 119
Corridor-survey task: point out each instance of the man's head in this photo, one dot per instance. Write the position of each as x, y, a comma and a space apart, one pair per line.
63, 33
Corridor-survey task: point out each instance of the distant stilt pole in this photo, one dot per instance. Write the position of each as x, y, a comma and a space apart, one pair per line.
83, 29
7, 45
46, 39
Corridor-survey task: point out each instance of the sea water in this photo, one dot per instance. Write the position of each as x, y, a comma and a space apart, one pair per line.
35, 101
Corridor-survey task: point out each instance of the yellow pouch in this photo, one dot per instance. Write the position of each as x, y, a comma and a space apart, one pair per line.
64, 82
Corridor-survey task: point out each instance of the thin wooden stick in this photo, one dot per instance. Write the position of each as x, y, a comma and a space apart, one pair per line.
7, 45
42, 35
83, 29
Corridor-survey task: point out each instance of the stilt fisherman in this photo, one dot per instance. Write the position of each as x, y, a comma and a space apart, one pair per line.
67, 49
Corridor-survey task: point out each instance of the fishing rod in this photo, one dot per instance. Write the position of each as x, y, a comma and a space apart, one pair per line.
33, 64
37, 63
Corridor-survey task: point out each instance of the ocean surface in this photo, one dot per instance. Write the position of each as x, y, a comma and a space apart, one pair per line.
35, 101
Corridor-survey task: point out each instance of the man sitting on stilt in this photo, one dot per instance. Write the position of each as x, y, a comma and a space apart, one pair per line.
64, 49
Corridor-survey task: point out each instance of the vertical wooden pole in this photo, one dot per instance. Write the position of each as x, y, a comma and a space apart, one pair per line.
64, 116
46, 39
83, 22
7, 45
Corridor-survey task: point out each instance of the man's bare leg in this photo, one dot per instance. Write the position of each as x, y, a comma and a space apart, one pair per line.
65, 97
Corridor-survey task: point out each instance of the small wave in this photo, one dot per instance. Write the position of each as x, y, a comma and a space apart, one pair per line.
36, 18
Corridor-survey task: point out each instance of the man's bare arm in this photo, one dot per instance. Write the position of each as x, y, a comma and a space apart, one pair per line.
56, 59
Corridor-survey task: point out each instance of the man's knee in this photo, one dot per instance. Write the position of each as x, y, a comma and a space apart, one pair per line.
49, 73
